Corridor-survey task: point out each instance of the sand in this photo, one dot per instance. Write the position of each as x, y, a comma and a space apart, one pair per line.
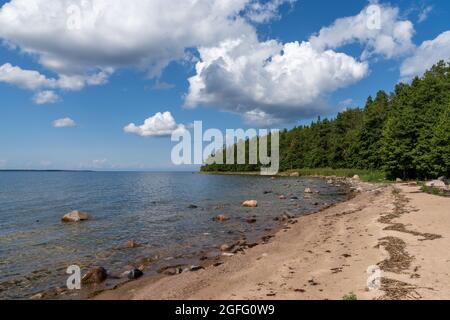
328, 255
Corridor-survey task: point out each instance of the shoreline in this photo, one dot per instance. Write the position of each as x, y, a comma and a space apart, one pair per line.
326, 255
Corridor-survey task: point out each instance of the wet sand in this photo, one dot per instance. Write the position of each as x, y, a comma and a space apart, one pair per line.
326, 255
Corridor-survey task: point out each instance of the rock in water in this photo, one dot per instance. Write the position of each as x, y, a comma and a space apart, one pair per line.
222, 218
282, 197
132, 244
75, 216
251, 220
308, 190
135, 274
192, 206
95, 275
250, 204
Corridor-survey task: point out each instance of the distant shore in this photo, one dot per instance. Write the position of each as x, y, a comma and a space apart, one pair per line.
327, 255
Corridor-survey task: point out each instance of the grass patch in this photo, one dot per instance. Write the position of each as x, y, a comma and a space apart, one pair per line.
350, 296
365, 175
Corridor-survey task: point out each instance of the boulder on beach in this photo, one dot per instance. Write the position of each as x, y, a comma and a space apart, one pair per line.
398, 180
295, 174
250, 204
95, 275
135, 274
356, 177
436, 184
222, 218
75, 216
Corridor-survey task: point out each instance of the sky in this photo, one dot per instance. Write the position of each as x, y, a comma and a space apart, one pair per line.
102, 85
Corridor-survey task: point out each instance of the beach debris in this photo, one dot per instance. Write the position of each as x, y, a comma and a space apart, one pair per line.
221, 218
135, 274
251, 220
192, 206
95, 275
131, 244
226, 247
75, 216
250, 204
295, 174
308, 190
227, 254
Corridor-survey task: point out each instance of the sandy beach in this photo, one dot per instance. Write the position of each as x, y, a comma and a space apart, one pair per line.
330, 254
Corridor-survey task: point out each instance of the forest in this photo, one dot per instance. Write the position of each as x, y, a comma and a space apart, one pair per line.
405, 134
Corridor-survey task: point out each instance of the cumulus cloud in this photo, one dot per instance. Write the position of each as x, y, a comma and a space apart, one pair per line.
379, 28
34, 80
25, 79
64, 123
263, 79
426, 55
159, 125
45, 97
100, 34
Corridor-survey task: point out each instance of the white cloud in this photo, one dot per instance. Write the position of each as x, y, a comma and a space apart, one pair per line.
34, 80
263, 12
261, 119
429, 53
423, 15
159, 125
64, 123
269, 79
45, 97
390, 38
76, 36
25, 79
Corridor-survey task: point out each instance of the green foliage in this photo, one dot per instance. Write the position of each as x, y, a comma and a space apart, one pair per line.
350, 296
405, 134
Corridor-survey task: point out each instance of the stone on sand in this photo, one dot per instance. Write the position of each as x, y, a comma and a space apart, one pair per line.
95, 275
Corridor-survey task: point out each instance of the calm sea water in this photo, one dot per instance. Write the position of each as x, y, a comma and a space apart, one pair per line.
150, 208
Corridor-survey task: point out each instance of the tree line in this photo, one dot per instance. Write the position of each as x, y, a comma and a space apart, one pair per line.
406, 134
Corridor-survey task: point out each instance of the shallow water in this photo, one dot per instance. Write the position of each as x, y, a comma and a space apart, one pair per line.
150, 208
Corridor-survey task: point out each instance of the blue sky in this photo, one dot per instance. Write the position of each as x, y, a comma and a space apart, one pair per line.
148, 74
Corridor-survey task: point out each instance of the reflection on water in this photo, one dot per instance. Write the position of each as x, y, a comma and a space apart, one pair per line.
150, 208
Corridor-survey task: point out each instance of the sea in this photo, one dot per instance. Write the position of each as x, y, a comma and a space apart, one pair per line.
171, 215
